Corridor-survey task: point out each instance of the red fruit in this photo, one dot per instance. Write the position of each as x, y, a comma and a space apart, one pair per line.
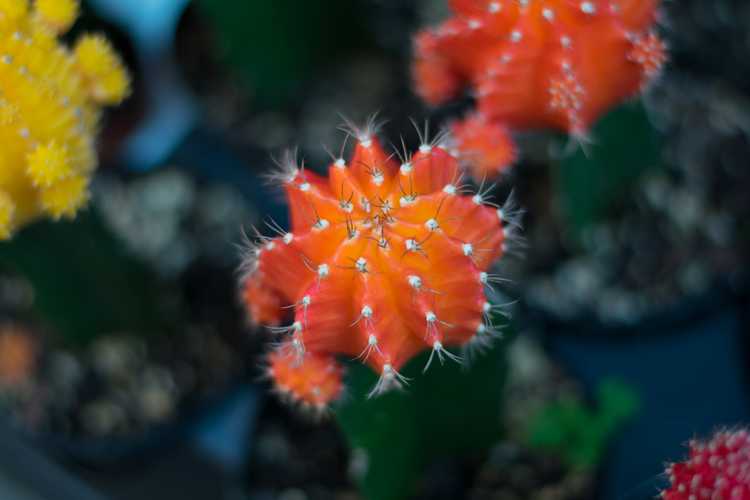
486, 146
382, 262
716, 470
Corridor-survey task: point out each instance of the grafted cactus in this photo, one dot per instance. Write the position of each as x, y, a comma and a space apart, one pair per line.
383, 260
717, 469
534, 64
50, 103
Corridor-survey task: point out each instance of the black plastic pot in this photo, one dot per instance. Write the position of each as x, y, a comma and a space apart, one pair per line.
689, 366
208, 159
25, 474
208, 425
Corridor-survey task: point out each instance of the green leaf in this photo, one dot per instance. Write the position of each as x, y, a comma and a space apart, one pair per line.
618, 402
577, 433
448, 411
597, 176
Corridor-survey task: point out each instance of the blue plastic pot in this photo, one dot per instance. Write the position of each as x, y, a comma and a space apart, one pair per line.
689, 365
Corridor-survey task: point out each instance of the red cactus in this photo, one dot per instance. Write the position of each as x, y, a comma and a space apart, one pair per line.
541, 63
383, 261
718, 469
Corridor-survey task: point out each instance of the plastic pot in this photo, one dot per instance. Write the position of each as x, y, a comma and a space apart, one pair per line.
687, 363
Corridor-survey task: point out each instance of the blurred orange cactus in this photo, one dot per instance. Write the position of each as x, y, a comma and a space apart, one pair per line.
18, 353
487, 146
540, 63
313, 382
384, 260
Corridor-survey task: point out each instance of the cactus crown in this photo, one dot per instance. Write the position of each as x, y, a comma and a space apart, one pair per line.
384, 259
719, 468
50, 100
537, 64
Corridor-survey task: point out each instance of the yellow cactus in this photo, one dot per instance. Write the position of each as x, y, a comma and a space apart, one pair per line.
100, 65
48, 164
50, 106
6, 215
11, 11
59, 15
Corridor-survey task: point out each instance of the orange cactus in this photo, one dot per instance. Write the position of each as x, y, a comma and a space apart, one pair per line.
313, 382
486, 145
383, 261
541, 63
18, 355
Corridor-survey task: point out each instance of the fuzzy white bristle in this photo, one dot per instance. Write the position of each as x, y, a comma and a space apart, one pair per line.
361, 265
441, 352
389, 379
588, 8
405, 201
321, 224
415, 282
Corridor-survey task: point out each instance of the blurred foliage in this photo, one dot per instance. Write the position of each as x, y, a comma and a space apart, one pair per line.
84, 283
578, 434
593, 179
279, 47
451, 410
